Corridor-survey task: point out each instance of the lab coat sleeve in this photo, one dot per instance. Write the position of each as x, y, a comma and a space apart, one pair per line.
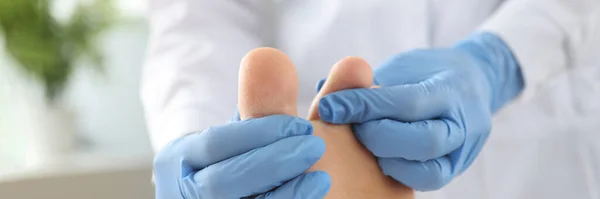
547, 36
190, 73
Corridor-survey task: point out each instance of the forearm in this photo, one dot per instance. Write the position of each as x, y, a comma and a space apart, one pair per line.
546, 37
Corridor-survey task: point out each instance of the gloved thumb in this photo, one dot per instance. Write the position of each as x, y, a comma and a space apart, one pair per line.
348, 73
406, 103
320, 84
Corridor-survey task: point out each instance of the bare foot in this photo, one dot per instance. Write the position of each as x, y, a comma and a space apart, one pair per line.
269, 85
354, 171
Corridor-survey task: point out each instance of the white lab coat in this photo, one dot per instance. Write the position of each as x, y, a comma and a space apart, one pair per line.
544, 145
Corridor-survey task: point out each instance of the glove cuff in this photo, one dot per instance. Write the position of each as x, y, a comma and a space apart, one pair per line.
501, 69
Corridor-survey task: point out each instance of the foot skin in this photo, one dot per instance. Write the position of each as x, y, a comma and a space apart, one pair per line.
269, 85
354, 170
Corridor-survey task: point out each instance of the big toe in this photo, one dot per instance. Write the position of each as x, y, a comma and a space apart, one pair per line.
348, 73
268, 84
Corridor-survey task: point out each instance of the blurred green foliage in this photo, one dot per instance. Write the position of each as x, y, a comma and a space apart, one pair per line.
48, 49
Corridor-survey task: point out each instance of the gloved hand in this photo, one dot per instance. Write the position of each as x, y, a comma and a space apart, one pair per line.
432, 114
256, 158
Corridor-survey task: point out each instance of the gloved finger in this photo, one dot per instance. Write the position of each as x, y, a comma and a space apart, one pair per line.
256, 171
307, 186
221, 142
236, 116
320, 84
422, 140
407, 103
422, 176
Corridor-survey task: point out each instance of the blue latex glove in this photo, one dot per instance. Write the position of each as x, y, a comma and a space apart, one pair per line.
257, 158
432, 114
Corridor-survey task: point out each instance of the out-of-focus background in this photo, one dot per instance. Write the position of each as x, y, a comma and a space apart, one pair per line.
71, 122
